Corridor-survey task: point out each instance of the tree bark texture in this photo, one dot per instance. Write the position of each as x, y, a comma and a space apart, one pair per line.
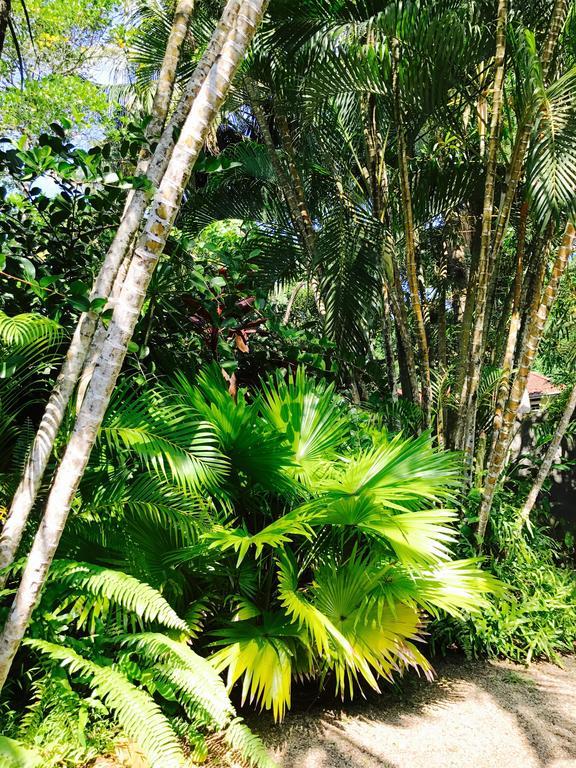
532, 338
159, 222
467, 414
42, 447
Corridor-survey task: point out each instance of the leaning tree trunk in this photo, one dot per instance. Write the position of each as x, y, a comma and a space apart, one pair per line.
550, 456
160, 107
533, 334
82, 340
467, 414
160, 220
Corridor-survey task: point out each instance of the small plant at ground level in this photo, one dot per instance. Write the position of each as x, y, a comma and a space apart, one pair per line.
536, 617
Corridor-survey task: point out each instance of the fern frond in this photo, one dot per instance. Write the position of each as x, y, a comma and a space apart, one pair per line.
248, 745
193, 676
136, 712
117, 588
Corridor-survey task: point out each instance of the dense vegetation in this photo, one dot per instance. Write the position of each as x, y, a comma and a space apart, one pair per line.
295, 275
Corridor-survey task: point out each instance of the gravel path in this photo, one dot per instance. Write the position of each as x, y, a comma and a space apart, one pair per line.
476, 715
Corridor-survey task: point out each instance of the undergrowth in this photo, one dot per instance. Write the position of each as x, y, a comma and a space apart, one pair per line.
536, 618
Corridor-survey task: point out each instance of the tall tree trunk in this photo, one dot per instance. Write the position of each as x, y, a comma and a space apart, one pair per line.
533, 335
160, 220
467, 414
296, 203
523, 133
468, 313
411, 265
83, 337
442, 348
167, 74
292, 189
165, 86
387, 328
5, 8
514, 324
550, 456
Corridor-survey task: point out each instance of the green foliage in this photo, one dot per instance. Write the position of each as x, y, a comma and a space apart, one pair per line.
139, 716
49, 76
14, 755
234, 499
536, 617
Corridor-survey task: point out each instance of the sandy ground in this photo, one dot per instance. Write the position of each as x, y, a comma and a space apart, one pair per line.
477, 715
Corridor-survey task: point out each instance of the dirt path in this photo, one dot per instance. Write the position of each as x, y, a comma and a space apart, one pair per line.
476, 715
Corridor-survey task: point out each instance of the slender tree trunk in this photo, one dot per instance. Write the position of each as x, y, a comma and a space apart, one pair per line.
550, 456
167, 74
159, 222
533, 335
293, 296
401, 317
523, 133
468, 314
5, 8
82, 339
514, 325
391, 378
296, 206
288, 148
467, 414
292, 189
442, 347
411, 265
160, 107
376, 178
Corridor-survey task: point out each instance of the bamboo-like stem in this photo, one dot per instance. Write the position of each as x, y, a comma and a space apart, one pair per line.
521, 142
467, 413
549, 457
297, 208
376, 177
532, 338
160, 219
514, 325
409, 232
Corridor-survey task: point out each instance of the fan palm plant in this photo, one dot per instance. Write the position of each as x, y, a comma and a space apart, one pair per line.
334, 568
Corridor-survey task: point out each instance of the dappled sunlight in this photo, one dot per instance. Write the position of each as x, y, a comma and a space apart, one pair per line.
478, 714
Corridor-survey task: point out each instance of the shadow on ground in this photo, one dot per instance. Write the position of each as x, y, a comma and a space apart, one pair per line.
485, 715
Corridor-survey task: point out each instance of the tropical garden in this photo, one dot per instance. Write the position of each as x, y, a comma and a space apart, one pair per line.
275, 277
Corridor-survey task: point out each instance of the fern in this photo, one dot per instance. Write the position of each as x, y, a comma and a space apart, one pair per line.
190, 674
109, 586
15, 755
248, 745
136, 712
